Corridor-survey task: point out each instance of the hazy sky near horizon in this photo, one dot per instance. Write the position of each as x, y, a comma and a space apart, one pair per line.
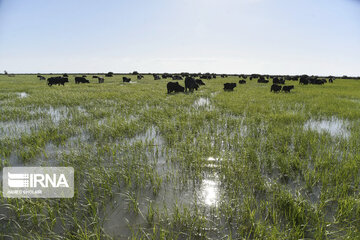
223, 36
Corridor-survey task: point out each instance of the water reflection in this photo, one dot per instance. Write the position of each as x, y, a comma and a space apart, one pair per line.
334, 126
210, 192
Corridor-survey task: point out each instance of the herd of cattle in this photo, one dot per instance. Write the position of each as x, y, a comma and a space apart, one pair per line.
194, 81
191, 83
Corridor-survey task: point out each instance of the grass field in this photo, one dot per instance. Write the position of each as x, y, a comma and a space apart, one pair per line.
247, 164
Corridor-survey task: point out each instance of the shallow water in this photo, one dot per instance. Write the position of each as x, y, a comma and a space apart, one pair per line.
57, 114
15, 129
23, 94
203, 103
210, 191
334, 126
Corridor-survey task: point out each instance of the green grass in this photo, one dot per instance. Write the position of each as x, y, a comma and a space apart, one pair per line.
140, 159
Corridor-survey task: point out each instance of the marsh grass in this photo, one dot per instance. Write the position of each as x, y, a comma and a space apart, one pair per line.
141, 160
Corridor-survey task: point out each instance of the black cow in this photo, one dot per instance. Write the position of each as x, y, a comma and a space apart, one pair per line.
304, 81
242, 82
176, 77
41, 78
229, 86
287, 88
65, 75
262, 80
125, 79
57, 81
139, 77
331, 80
101, 80
174, 87
208, 77
199, 82
156, 77
190, 84
275, 88
277, 80
95, 77
165, 75
81, 80
318, 82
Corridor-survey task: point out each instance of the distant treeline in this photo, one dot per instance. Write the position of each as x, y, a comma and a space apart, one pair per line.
187, 73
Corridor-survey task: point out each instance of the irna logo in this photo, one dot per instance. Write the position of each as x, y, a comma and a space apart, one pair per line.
16, 180
38, 182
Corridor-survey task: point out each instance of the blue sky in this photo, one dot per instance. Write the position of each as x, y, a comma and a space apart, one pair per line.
223, 36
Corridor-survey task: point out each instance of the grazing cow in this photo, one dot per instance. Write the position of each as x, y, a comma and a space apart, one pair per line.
165, 75
190, 84
139, 77
205, 76
57, 81
262, 80
95, 77
275, 88
199, 82
304, 80
176, 77
81, 80
184, 74
318, 82
174, 87
65, 75
125, 79
156, 77
277, 80
229, 86
41, 77
242, 82
101, 80
331, 80
287, 88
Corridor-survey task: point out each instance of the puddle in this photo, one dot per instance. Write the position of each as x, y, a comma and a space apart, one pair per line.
22, 94
56, 114
334, 126
151, 135
16, 128
203, 103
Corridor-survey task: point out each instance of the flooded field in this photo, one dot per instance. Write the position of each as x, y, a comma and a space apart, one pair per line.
246, 164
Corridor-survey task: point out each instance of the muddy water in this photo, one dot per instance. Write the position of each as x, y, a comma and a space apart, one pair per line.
334, 126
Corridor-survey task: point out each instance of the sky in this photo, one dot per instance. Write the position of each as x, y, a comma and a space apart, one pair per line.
315, 37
